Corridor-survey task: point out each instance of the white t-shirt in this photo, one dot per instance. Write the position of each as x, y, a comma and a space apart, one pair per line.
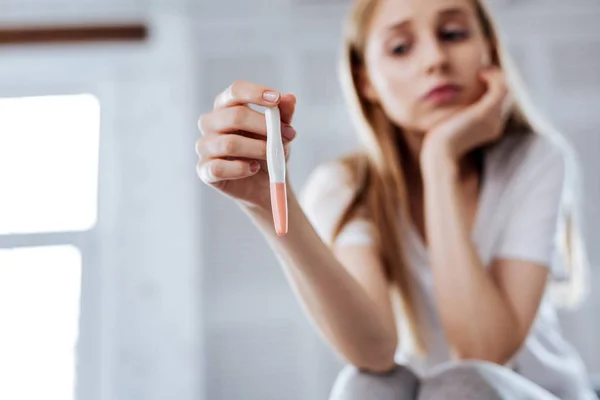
517, 216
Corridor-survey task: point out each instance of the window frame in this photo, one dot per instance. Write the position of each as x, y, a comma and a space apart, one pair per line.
93, 350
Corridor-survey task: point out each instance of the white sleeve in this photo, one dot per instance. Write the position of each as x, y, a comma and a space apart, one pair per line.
530, 233
325, 195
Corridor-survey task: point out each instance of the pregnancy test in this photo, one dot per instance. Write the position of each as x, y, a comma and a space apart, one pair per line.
276, 167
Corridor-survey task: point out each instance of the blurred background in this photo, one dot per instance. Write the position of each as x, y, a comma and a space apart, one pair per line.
121, 276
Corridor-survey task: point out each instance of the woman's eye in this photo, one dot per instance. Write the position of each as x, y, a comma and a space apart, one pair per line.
454, 35
400, 49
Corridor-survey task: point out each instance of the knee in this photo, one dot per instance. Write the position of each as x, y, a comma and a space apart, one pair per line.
468, 380
480, 380
354, 384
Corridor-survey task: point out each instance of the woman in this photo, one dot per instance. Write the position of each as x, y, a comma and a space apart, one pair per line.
435, 241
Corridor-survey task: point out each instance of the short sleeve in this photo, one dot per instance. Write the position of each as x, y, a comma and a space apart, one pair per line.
535, 205
326, 194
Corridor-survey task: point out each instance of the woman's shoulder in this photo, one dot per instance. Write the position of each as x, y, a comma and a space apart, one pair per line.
329, 189
534, 168
519, 155
333, 177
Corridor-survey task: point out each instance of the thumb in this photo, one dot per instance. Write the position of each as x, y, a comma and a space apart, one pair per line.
287, 107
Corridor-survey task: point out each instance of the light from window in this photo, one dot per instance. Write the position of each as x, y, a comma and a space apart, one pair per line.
39, 317
48, 163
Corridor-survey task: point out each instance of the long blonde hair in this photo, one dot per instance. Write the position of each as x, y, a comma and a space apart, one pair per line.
380, 185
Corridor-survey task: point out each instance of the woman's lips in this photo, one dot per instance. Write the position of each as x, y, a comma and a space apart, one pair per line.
443, 94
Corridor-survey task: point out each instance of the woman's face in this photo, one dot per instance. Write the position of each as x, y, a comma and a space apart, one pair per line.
423, 59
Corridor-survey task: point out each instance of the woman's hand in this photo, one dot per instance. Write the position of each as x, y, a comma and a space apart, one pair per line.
477, 124
232, 149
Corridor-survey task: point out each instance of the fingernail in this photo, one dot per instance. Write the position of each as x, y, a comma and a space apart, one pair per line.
288, 132
271, 96
254, 166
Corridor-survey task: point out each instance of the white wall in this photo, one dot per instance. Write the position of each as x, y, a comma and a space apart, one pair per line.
192, 304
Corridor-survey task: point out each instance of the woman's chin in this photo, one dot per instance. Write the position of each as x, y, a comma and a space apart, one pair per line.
436, 117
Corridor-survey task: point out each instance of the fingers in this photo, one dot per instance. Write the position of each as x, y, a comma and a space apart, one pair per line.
239, 118
218, 170
498, 98
233, 142
232, 146
287, 107
494, 108
244, 92
497, 90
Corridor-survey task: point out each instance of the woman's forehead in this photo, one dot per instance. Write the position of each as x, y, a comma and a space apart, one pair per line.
393, 12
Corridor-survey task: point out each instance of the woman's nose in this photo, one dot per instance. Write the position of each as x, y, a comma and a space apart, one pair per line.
434, 56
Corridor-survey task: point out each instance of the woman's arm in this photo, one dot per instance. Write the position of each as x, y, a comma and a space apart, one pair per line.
485, 315
346, 296
347, 299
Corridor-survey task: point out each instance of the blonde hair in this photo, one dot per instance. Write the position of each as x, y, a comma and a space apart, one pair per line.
380, 186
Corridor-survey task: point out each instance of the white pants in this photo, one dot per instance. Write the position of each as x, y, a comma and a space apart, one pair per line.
467, 380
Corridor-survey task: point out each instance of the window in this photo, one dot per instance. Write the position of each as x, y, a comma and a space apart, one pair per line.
48, 163
39, 305
48, 203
